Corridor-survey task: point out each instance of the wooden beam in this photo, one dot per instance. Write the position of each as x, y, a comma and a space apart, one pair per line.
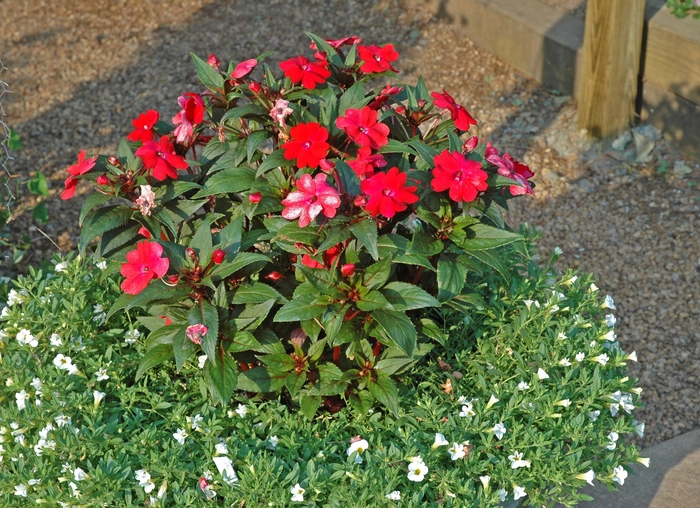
612, 45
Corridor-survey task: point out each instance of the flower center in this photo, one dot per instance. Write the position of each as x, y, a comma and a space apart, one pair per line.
457, 176
378, 58
144, 269
388, 192
364, 130
306, 67
306, 145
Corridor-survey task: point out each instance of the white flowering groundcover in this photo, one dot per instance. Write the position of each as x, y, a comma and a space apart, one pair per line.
525, 399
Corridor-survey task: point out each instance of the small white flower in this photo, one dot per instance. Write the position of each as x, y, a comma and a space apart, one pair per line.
516, 460
608, 303
561, 336
499, 430
195, 421
569, 282
440, 441
61, 267
456, 451
491, 402
613, 437
34, 481
180, 436
25, 338
529, 303
601, 359
221, 449
558, 251
201, 360
554, 309
37, 385
485, 481
101, 375
62, 420
131, 336
225, 467
74, 488
21, 490
502, 494
644, 461
242, 410
565, 362
467, 411
619, 475
4, 313
297, 493
102, 265
97, 397
63, 362
55, 340
564, 403
580, 356
541, 374
593, 415
593, 288
394, 496
21, 398
632, 356
588, 476
610, 320
638, 428
272, 442
79, 475
16, 297
417, 470
609, 336
522, 386
518, 492
358, 447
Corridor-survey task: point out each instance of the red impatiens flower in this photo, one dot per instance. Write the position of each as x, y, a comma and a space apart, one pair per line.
83, 166
329, 257
142, 265
362, 127
307, 145
388, 193
384, 95
376, 59
464, 178
366, 162
244, 68
191, 114
345, 41
161, 158
309, 74
313, 196
510, 168
143, 126
461, 117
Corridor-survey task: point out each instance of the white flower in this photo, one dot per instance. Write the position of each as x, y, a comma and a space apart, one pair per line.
79, 475
34, 481
601, 359
516, 460
613, 436
565, 362
5, 312
63, 362
74, 488
242, 410
467, 411
102, 265
593, 415
570, 281
624, 400
440, 441
21, 489
131, 336
225, 467
609, 336
644, 461
485, 481
102, 375
21, 399
529, 303
417, 470
558, 251
297, 493
16, 297
491, 402
37, 385
610, 320
522, 386
456, 451
221, 449
564, 403
272, 442
608, 303
97, 397
62, 267
44, 433
394, 496
180, 436
619, 475
358, 447
195, 421
55, 340
632, 356
593, 288
201, 360
561, 336
554, 309
518, 492
502, 494
580, 356
588, 477
541, 374
62, 420
638, 428
499, 430
25, 338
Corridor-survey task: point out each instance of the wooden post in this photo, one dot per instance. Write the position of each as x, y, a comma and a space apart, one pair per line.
612, 48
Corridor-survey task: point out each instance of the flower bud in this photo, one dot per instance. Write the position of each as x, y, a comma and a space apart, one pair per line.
401, 110
218, 256
421, 103
254, 197
326, 165
214, 61
320, 55
114, 161
172, 279
145, 233
254, 87
191, 253
347, 270
360, 201
203, 483
274, 276
102, 180
471, 143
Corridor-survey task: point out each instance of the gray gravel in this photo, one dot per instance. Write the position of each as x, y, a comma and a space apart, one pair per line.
81, 70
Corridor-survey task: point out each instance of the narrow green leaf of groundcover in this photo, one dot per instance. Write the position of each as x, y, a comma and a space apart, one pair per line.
210, 77
483, 237
93, 200
493, 259
182, 347
394, 146
274, 160
377, 274
451, 277
261, 380
354, 97
222, 378
101, 220
112, 240
40, 213
399, 328
256, 292
309, 405
384, 390
305, 307
404, 296
228, 181
153, 357
366, 233
348, 178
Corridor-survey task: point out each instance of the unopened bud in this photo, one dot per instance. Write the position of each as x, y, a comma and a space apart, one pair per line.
347, 270
273, 276
102, 180
401, 110
254, 87
360, 201
173, 279
218, 256
326, 165
191, 253
421, 103
254, 197
114, 161
214, 61
471, 143
145, 233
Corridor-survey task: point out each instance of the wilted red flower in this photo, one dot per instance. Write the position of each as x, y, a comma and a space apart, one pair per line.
218, 256
254, 87
196, 332
83, 166
307, 145
147, 200
214, 61
510, 168
384, 95
388, 193
464, 178
362, 127
280, 111
345, 41
161, 158
366, 162
307, 260
461, 117
244, 68
313, 197
143, 126
376, 59
309, 74
490, 150
191, 114
142, 265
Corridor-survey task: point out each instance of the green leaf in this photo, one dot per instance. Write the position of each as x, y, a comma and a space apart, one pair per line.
255, 139
163, 335
451, 276
309, 405
424, 244
404, 296
298, 309
366, 232
253, 315
361, 401
222, 379
294, 382
377, 274
372, 300
247, 111
14, 142
101, 220
483, 237
93, 200
493, 259
40, 213
331, 53
115, 238
201, 242
354, 97
228, 181
156, 291
38, 185
256, 292
173, 189
153, 357
210, 77
274, 160
384, 390
207, 315
398, 328
261, 380
466, 302
397, 147
430, 329
348, 178
390, 366
183, 348
280, 362
245, 341
241, 260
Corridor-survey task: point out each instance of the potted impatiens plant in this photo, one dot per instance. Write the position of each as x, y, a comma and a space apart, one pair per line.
332, 256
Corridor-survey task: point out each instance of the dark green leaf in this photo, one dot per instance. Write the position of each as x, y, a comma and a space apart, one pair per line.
38, 184
366, 232
112, 240
390, 366
492, 259
280, 362
222, 379
377, 274
372, 300
348, 178
305, 307
255, 139
425, 245
245, 341
153, 357
101, 220
210, 77
183, 348
404, 296
384, 390
309, 405
227, 181
93, 200
451, 277
256, 292
397, 147
483, 237
261, 379
156, 291
399, 328
274, 160
40, 213
354, 97
294, 382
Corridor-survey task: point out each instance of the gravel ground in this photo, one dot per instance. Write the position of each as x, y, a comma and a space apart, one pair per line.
82, 69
